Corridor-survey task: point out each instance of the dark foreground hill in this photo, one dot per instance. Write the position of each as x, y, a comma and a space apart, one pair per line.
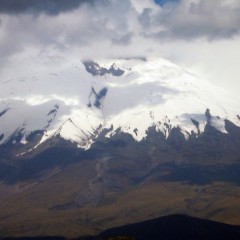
174, 227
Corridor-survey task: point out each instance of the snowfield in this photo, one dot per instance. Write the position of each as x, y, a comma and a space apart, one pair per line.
80, 99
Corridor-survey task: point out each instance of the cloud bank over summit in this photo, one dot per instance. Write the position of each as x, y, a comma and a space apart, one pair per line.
173, 19
200, 34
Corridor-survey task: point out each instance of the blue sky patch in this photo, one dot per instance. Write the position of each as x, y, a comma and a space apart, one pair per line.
162, 2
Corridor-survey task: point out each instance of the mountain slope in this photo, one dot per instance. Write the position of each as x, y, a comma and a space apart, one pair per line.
93, 145
130, 95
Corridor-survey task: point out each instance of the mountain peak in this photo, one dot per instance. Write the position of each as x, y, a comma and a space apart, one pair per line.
131, 95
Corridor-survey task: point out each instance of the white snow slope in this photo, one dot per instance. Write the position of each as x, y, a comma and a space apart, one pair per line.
149, 93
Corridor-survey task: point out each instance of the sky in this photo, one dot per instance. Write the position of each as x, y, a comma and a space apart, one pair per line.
201, 35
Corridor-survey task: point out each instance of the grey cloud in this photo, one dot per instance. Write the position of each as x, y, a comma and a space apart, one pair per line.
51, 7
123, 40
90, 25
127, 26
190, 19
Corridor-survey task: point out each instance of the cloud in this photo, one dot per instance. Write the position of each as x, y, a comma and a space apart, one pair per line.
64, 24
51, 7
192, 19
187, 32
158, 19
89, 25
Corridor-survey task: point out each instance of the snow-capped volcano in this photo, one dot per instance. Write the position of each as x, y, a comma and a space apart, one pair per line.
81, 99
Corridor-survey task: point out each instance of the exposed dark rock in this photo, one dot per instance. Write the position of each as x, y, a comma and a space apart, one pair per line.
34, 135
93, 68
135, 131
96, 99
196, 123
16, 136
99, 97
3, 112
232, 129
208, 116
1, 136
52, 112
176, 137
